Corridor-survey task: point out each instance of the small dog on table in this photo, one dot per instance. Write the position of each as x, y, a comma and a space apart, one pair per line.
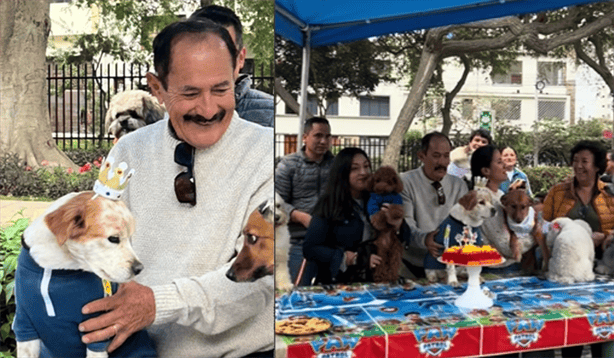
524, 226
70, 256
462, 224
131, 110
385, 187
572, 251
261, 255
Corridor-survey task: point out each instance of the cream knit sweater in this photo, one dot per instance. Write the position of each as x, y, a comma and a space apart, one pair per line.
186, 250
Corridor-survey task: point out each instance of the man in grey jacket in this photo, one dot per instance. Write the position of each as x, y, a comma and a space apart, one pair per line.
251, 104
300, 179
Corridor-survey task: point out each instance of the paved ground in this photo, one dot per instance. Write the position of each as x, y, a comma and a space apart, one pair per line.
30, 209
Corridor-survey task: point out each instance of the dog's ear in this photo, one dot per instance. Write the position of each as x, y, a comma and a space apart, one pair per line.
151, 111
371, 182
68, 221
504, 199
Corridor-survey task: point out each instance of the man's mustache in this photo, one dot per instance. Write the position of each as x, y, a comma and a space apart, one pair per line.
440, 167
197, 118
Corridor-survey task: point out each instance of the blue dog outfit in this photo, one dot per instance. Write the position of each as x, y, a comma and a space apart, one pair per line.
376, 200
456, 228
52, 312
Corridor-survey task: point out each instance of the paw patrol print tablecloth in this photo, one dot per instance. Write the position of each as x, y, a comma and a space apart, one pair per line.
378, 320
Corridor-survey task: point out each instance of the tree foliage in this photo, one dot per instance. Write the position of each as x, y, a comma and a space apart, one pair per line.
539, 33
126, 28
348, 69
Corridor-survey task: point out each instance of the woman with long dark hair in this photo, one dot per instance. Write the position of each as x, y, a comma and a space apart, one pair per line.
339, 236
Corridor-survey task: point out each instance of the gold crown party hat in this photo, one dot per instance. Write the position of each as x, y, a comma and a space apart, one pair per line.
112, 181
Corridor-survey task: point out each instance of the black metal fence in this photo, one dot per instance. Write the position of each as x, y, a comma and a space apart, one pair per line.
78, 97
373, 146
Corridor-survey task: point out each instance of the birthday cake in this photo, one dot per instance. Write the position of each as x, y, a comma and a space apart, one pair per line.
472, 255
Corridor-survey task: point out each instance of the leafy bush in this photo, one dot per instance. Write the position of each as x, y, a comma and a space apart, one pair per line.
543, 178
10, 244
16, 179
83, 156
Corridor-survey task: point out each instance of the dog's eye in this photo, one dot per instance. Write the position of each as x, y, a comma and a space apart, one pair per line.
114, 239
251, 239
482, 202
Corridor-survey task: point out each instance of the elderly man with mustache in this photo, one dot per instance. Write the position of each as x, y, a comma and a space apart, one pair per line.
198, 176
428, 195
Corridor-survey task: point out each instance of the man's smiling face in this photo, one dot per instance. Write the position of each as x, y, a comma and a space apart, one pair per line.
200, 89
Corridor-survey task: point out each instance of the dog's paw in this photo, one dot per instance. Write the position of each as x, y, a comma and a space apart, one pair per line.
454, 283
603, 269
488, 293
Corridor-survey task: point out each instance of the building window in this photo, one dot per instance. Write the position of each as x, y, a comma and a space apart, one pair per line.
551, 109
552, 73
467, 108
374, 106
507, 109
513, 76
332, 107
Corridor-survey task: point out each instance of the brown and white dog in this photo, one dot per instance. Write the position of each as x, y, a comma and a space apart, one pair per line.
257, 257
131, 110
78, 232
524, 226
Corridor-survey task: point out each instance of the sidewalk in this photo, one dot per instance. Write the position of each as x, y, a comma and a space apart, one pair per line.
10, 208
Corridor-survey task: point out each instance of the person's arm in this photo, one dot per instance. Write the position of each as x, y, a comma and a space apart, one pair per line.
416, 236
283, 183
548, 209
315, 246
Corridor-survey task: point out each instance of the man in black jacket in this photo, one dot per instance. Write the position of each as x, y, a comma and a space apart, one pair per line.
300, 179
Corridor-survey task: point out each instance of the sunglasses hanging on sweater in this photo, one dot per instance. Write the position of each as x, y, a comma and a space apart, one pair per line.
185, 187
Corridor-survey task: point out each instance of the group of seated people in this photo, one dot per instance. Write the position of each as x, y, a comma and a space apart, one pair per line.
338, 240
338, 244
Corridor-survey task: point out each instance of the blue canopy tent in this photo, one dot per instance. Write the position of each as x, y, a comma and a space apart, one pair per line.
313, 23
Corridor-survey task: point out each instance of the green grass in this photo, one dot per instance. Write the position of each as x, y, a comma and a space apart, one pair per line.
24, 198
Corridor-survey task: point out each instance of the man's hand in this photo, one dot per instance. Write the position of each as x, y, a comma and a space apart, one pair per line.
394, 222
300, 217
350, 258
129, 310
433, 247
598, 238
469, 200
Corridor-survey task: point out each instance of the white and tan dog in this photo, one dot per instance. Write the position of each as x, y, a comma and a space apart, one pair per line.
462, 216
76, 236
282, 246
571, 251
131, 110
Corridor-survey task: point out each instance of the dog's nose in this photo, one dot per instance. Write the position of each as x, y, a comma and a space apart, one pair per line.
231, 275
137, 267
493, 211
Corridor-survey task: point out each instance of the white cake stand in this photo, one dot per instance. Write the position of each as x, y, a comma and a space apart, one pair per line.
474, 297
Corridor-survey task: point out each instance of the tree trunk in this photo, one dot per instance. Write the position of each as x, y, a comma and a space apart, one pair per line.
445, 110
24, 118
428, 62
287, 97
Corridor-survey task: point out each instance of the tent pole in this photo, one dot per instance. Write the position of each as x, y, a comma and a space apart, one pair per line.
304, 82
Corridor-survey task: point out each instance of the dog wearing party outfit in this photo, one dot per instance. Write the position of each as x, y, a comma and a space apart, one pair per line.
385, 187
73, 254
524, 226
460, 227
